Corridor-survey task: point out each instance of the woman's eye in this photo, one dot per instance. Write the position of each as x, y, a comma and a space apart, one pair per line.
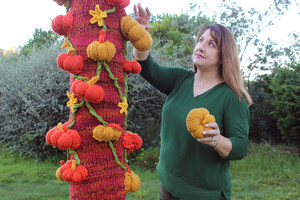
211, 44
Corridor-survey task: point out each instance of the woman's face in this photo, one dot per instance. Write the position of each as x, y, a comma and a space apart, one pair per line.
206, 53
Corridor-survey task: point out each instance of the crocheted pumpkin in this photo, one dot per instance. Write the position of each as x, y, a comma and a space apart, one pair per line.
101, 50
110, 132
70, 172
73, 64
119, 4
136, 33
131, 67
62, 24
131, 142
132, 181
196, 121
90, 93
63, 138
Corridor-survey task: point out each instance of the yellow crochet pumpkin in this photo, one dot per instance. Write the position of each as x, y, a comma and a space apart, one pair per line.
136, 33
196, 121
107, 133
132, 182
58, 175
101, 51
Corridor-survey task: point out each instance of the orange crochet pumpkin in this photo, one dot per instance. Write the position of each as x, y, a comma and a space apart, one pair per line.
70, 172
91, 93
73, 64
196, 121
62, 24
63, 138
119, 4
131, 142
131, 67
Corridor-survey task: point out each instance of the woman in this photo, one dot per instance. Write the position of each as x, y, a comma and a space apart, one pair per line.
199, 169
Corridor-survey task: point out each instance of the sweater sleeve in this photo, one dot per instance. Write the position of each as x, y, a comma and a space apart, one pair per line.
162, 78
236, 127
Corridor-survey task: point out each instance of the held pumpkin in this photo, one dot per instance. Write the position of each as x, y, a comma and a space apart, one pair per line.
196, 121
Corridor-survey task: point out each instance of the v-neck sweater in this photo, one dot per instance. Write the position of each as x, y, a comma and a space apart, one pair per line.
187, 168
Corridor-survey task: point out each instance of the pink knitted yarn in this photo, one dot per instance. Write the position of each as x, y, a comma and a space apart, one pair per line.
105, 178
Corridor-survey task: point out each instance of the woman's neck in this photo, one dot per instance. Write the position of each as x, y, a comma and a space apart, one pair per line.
204, 81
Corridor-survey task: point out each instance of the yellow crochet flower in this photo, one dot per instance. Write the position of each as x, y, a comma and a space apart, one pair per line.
123, 106
73, 100
66, 44
98, 16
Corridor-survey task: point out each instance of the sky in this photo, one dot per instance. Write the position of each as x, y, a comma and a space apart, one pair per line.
19, 18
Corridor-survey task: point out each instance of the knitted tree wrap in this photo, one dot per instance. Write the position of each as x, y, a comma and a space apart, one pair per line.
106, 178
94, 135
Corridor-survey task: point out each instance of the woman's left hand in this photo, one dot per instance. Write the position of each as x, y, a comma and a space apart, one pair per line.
214, 133
220, 143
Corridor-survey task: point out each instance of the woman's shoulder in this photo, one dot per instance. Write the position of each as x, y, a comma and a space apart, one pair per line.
231, 96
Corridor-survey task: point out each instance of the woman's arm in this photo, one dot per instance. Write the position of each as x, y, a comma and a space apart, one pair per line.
220, 143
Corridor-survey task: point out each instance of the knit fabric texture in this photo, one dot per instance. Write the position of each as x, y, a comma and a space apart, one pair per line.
95, 137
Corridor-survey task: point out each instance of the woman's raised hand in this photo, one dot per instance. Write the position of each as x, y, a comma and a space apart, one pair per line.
142, 16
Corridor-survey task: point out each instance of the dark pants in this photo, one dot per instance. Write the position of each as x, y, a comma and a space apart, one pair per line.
165, 195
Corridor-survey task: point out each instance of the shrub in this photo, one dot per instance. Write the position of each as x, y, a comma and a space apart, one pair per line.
148, 158
33, 98
285, 86
262, 122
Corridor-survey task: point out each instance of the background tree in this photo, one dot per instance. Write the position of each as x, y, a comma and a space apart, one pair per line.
41, 38
285, 87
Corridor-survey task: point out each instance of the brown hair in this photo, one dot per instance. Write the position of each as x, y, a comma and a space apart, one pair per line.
229, 68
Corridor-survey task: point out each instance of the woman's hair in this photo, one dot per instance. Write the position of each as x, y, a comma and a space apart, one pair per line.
229, 68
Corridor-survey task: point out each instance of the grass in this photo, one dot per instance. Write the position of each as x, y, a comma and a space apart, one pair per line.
262, 175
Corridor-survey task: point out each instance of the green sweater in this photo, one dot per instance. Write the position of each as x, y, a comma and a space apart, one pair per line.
187, 168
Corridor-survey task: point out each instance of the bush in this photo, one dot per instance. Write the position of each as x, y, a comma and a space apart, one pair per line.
33, 100
148, 158
285, 86
262, 122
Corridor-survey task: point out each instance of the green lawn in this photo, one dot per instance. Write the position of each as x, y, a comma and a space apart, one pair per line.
263, 174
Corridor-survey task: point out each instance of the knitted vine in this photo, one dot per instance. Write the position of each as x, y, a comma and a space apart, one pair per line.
95, 137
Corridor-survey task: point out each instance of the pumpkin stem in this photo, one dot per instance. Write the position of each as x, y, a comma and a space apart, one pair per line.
102, 36
93, 80
74, 163
59, 126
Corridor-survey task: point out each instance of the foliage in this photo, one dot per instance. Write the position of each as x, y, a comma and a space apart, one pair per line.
262, 122
41, 38
177, 33
148, 158
285, 87
247, 26
33, 98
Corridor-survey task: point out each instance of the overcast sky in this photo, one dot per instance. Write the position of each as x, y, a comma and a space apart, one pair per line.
19, 18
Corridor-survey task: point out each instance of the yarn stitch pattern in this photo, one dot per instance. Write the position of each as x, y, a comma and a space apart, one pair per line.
95, 137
